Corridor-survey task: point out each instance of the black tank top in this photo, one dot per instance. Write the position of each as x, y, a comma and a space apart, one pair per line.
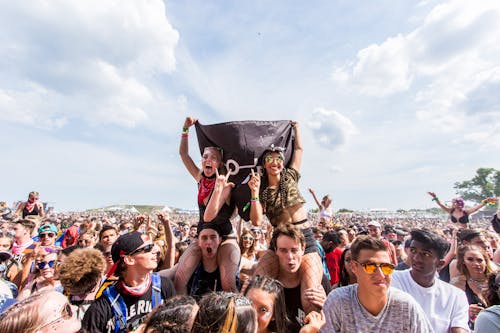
222, 220
33, 212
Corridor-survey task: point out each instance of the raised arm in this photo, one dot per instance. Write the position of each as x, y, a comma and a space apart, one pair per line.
481, 205
184, 149
452, 251
19, 209
297, 149
170, 241
220, 195
320, 206
435, 198
255, 205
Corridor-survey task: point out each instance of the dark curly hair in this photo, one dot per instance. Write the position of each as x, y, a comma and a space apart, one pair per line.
82, 270
173, 316
493, 288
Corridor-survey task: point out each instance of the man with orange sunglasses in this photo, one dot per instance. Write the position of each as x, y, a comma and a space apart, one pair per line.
371, 305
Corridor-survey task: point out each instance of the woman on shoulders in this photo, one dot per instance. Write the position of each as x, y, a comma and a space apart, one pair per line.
31, 206
276, 194
324, 207
458, 213
215, 206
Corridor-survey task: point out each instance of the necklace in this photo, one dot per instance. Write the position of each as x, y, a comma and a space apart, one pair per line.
480, 283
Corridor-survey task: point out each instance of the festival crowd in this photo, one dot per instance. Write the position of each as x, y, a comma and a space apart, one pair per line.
284, 270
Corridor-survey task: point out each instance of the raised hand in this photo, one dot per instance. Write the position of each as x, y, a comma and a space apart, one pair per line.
138, 221
221, 182
432, 194
163, 217
190, 121
254, 182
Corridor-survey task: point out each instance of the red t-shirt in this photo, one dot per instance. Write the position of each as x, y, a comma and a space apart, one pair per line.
333, 264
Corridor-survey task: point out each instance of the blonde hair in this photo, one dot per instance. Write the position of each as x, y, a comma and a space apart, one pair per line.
24, 316
461, 259
224, 312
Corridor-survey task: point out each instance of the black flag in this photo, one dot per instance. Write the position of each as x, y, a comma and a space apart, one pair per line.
243, 143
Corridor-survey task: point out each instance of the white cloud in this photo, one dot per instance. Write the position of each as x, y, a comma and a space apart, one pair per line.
95, 60
331, 129
453, 54
380, 69
335, 169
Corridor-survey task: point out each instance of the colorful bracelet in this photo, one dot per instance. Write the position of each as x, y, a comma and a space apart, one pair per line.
435, 199
185, 130
255, 198
254, 201
185, 135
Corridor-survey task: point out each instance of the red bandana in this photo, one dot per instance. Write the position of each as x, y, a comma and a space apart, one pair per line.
205, 187
30, 205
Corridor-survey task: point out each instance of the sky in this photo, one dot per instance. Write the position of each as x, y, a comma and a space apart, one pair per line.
394, 98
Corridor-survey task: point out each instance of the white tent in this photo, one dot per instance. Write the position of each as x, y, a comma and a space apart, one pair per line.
132, 210
114, 209
166, 209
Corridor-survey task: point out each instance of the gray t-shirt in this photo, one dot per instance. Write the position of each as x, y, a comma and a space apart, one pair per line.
344, 314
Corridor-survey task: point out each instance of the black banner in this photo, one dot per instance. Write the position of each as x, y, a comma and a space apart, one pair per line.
243, 143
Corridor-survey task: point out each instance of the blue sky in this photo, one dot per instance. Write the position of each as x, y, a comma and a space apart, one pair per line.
395, 98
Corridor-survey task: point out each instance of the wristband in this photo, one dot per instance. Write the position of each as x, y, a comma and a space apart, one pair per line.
435, 199
185, 130
255, 199
184, 135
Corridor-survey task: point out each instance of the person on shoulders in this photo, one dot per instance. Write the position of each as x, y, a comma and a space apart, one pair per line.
30, 207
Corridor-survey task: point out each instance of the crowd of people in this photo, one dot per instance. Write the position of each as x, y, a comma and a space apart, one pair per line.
284, 270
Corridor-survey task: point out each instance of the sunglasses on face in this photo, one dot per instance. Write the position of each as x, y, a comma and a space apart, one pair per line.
271, 159
66, 313
49, 235
371, 267
247, 238
41, 265
146, 249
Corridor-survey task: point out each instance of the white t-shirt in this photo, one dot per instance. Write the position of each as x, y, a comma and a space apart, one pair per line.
445, 305
401, 314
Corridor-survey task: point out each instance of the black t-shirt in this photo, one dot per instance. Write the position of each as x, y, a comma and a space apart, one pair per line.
203, 282
294, 308
100, 316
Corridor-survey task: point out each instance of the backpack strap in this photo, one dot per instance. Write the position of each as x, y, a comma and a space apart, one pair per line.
119, 308
156, 291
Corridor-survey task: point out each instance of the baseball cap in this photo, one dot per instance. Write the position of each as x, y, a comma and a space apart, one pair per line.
48, 227
375, 224
208, 225
126, 244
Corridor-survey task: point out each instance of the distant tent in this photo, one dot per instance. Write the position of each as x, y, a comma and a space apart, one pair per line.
132, 210
114, 209
166, 209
